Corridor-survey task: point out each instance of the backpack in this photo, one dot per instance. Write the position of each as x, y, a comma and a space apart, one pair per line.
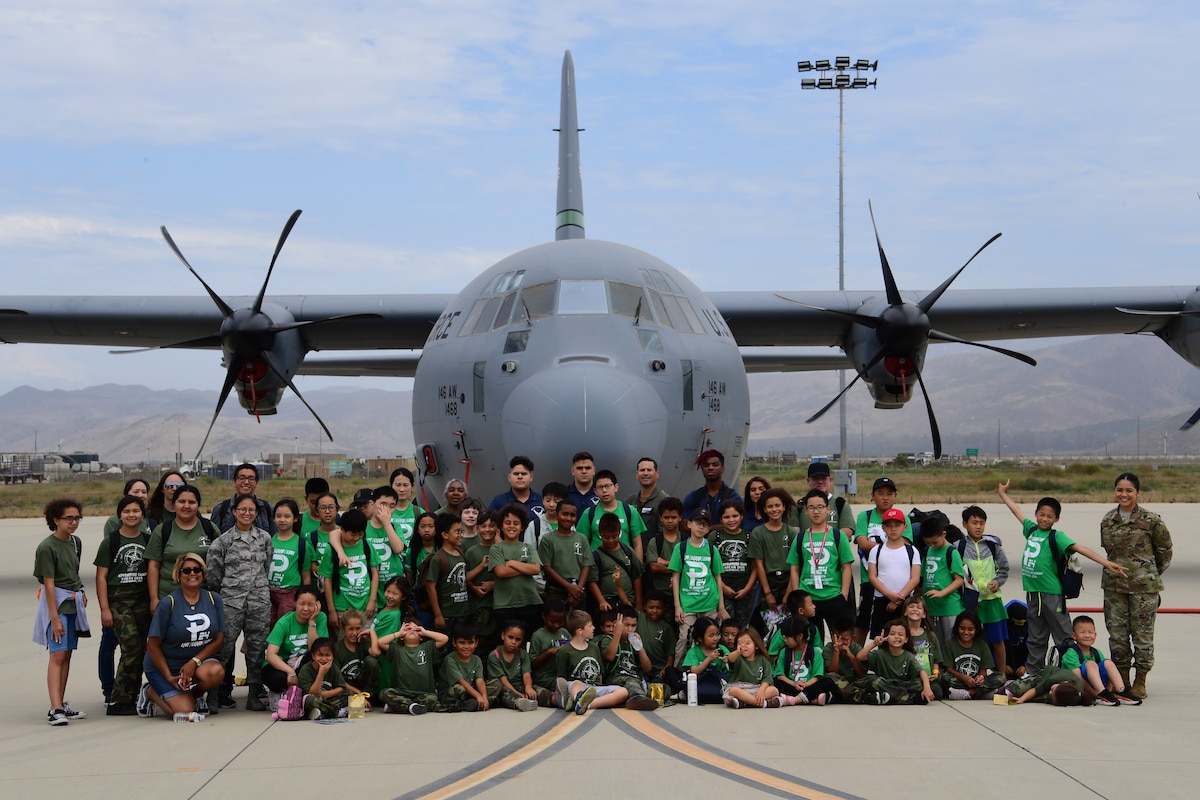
291, 705
1072, 581
1055, 655
443, 566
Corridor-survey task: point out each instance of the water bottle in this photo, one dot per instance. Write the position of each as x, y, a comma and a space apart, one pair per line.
693, 700
188, 716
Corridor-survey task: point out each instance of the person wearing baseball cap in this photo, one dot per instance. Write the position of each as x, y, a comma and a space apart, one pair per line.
362, 500
868, 533
894, 569
841, 515
696, 583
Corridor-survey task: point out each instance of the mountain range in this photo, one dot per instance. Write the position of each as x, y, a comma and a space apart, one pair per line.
1116, 394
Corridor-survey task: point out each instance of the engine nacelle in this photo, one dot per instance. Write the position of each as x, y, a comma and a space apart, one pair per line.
891, 381
259, 390
1183, 333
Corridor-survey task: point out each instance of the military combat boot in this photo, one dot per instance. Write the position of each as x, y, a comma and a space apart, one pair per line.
254, 702
1139, 684
1124, 673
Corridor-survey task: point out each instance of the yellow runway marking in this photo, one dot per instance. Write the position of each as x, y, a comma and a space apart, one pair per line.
641, 723
512, 760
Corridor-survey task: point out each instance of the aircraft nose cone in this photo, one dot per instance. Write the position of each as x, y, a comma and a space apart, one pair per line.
556, 413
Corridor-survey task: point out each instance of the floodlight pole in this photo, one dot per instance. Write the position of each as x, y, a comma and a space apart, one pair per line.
841, 66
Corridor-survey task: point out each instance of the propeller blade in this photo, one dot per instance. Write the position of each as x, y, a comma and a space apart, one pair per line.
933, 426
287, 228
889, 281
235, 366
226, 311
269, 357
933, 296
942, 336
291, 326
859, 319
1192, 420
1145, 313
203, 341
857, 374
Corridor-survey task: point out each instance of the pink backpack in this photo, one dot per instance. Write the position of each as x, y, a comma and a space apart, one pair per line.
291, 704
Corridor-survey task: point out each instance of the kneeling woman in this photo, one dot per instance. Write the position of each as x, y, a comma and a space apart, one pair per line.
186, 636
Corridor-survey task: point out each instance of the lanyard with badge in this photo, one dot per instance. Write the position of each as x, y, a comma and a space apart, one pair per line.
815, 556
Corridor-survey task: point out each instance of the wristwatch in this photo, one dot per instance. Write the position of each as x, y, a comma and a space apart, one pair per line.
197, 661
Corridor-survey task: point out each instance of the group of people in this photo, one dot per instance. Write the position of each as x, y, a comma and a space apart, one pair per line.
574, 598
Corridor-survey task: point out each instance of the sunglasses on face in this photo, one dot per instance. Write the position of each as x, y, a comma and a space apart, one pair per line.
173, 484
191, 570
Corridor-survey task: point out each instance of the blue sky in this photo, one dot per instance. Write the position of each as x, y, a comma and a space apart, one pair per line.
417, 139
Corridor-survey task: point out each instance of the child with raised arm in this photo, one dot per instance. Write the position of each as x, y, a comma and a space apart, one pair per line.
1098, 672
580, 670
1040, 575
841, 660
967, 657
897, 676
987, 571
509, 675
326, 694
412, 653
626, 662
751, 684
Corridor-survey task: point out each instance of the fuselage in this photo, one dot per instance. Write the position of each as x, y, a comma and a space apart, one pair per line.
579, 345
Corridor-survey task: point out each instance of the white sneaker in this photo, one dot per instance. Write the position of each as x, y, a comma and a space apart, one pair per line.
525, 704
959, 694
145, 706
56, 716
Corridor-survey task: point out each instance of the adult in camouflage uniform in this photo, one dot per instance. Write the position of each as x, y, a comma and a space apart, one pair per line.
239, 564
1138, 540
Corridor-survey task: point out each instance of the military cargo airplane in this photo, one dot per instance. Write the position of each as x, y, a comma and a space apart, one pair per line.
582, 344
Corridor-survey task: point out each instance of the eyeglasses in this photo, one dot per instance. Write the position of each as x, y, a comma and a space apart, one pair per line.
245, 479
246, 510
173, 484
71, 519
326, 508
604, 487
191, 570
815, 508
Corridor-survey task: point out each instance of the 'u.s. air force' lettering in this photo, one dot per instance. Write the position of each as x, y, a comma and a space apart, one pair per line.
198, 626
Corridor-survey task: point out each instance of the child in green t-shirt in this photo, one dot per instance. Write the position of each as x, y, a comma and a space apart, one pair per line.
325, 692
799, 671
657, 635
509, 675
1086, 661
580, 670
626, 662
445, 576
696, 584
898, 677
751, 683
414, 687
545, 642
944, 578
1040, 576
356, 584
968, 659
352, 655
841, 659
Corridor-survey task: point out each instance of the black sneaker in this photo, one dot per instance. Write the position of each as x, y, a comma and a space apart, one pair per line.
121, 710
1106, 698
225, 700
1127, 698
71, 713
640, 702
56, 716
417, 709
877, 698
145, 706
470, 704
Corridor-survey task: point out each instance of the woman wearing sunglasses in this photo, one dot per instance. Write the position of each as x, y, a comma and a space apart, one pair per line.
160, 507
186, 636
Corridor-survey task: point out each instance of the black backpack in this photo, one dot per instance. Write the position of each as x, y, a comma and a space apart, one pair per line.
1072, 581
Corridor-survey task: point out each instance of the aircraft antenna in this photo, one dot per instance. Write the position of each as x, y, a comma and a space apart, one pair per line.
568, 221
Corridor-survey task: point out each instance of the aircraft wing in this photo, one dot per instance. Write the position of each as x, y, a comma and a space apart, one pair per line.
401, 365
763, 319
403, 323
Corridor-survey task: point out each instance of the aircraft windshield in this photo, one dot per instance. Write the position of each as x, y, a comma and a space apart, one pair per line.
582, 297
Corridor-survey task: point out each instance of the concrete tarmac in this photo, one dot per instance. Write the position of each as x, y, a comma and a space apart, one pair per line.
945, 750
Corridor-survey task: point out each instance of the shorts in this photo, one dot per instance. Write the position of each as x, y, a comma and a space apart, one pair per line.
749, 687
159, 682
996, 632
70, 639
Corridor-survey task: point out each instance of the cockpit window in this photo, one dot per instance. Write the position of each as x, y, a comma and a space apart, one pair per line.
505, 312
582, 297
484, 323
504, 282
629, 301
537, 301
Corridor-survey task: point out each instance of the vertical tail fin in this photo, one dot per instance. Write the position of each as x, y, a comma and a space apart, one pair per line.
568, 221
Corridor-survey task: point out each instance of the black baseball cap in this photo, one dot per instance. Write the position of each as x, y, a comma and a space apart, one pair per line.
819, 469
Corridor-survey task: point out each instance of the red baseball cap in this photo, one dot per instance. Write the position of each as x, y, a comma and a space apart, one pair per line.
894, 514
